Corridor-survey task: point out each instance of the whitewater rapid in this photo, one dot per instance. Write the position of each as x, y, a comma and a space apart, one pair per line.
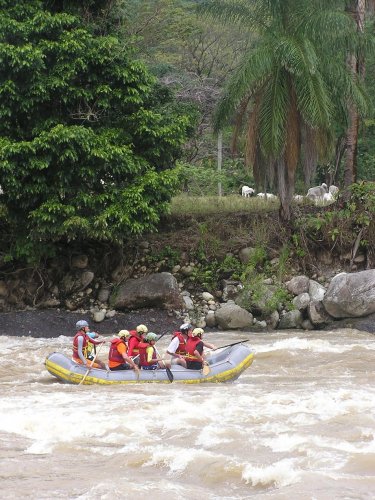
298, 424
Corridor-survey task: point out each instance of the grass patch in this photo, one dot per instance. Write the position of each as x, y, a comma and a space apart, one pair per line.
193, 205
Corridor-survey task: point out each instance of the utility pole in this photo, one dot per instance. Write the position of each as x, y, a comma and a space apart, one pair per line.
219, 159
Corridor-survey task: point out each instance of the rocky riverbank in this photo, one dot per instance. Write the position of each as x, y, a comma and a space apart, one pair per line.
186, 273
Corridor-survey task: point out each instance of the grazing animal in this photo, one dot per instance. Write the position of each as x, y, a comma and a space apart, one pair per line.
334, 190
321, 195
317, 192
328, 198
267, 196
247, 191
298, 198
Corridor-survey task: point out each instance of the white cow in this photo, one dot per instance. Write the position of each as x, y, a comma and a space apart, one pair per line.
247, 191
267, 196
334, 190
298, 198
317, 192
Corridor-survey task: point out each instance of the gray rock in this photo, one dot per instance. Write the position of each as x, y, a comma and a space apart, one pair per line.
365, 324
316, 291
232, 317
80, 261
207, 296
317, 314
291, 319
301, 301
351, 295
99, 316
210, 319
75, 281
189, 304
103, 294
156, 290
298, 285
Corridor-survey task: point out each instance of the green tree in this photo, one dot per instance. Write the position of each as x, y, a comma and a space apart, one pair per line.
290, 85
88, 139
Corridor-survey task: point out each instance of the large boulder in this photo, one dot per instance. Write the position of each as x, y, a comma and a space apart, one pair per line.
158, 290
351, 295
232, 317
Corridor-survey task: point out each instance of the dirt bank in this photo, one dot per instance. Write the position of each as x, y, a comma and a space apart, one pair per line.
54, 322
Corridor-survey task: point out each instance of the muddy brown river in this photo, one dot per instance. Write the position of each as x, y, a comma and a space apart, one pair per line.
298, 424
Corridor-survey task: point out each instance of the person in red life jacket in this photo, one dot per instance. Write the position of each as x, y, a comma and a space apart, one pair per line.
194, 350
117, 357
176, 348
148, 358
136, 336
81, 346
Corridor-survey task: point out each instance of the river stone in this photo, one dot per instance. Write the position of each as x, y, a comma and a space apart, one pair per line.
351, 295
365, 324
232, 317
189, 304
103, 294
301, 301
207, 296
298, 285
80, 261
316, 291
76, 281
317, 314
210, 319
291, 319
156, 290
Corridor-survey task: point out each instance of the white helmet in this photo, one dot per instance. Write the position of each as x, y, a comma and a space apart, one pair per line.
142, 329
81, 324
197, 332
123, 334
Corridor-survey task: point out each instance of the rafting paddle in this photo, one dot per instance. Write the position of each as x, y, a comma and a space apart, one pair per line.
91, 364
206, 369
169, 373
230, 345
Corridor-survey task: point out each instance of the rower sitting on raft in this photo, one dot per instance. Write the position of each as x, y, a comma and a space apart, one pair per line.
177, 346
148, 357
82, 343
117, 357
194, 350
136, 337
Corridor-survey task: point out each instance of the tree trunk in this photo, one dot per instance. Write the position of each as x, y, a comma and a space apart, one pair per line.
356, 9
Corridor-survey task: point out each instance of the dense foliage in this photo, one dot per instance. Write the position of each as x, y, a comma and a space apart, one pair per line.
88, 139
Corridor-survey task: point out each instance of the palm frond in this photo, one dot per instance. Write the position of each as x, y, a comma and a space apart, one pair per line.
273, 114
313, 99
250, 75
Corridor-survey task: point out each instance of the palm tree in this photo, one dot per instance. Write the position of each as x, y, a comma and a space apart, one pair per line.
290, 84
357, 10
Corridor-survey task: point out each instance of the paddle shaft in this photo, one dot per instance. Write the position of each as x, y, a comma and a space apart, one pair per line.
230, 345
169, 372
92, 363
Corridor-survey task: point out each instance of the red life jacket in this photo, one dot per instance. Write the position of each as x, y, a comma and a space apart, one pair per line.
181, 349
86, 341
133, 342
143, 354
190, 347
113, 354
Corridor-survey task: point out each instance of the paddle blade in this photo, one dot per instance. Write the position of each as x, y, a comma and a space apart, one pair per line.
206, 369
170, 374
